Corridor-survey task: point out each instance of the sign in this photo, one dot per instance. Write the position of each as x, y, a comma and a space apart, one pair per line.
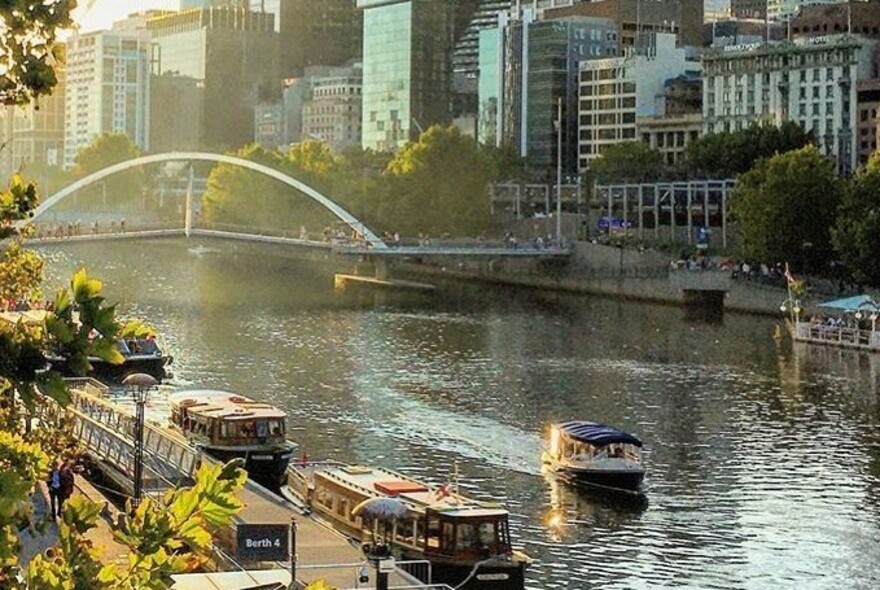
386, 566
263, 542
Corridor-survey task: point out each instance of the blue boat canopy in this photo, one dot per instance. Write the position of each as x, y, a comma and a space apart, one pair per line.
597, 434
852, 303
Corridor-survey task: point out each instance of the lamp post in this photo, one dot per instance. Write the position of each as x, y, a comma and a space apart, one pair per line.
559, 172
140, 384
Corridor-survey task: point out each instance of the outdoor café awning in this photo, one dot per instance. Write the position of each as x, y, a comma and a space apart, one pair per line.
865, 302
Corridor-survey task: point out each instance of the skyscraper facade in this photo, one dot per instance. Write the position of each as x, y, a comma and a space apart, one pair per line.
231, 55
314, 32
107, 90
407, 69
527, 66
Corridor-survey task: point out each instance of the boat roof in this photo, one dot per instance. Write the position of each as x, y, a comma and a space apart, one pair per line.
596, 434
379, 482
29, 317
224, 404
865, 302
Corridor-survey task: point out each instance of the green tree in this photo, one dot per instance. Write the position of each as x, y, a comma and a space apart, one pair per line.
629, 161
856, 235
785, 206
122, 188
438, 185
728, 154
28, 31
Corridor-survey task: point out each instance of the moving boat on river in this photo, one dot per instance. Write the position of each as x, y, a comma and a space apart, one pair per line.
229, 426
140, 355
466, 542
595, 454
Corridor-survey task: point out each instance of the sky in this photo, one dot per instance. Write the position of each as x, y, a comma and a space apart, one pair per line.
103, 12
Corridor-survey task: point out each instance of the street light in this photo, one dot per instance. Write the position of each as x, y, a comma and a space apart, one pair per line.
140, 384
559, 172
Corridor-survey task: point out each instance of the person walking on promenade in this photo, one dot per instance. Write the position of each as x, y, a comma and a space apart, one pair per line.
67, 483
54, 484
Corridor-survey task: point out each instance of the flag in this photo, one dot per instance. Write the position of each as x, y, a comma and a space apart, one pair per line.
442, 491
788, 276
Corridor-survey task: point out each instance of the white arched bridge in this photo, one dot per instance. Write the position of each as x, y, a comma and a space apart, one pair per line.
341, 213
370, 240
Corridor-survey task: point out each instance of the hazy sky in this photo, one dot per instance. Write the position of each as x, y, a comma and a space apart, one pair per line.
103, 12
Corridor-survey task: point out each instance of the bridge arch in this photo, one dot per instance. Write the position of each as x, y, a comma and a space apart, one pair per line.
341, 213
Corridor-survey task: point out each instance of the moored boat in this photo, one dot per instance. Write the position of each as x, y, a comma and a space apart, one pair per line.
228, 426
467, 542
139, 355
595, 454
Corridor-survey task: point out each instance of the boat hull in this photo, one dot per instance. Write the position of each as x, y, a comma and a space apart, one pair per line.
155, 366
628, 480
266, 467
501, 576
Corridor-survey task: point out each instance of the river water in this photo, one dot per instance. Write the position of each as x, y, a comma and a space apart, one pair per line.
763, 459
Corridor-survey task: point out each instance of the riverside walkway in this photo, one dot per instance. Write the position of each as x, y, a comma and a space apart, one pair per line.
106, 429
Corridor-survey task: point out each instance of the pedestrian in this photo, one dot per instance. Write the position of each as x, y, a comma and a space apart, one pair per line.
67, 483
54, 485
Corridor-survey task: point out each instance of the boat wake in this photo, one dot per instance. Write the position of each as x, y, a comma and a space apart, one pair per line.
394, 414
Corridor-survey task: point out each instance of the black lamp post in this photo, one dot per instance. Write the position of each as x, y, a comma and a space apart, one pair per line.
140, 384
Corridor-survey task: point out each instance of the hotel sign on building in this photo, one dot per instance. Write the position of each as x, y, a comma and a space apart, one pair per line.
811, 81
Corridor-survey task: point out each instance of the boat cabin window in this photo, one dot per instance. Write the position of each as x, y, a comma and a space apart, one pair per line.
470, 536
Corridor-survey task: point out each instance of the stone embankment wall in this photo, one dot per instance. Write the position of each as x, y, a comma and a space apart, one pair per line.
603, 270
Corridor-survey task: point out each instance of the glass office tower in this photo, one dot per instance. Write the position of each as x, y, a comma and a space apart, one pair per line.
407, 69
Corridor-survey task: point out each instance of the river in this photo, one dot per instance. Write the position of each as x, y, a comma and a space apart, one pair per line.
763, 459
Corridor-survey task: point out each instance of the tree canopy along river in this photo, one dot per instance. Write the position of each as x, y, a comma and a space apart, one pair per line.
763, 460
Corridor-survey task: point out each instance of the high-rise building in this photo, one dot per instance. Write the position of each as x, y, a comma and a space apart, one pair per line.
407, 69
107, 90
332, 112
755, 9
526, 67
634, 17
34, 133
616, 92
314, 32
230, 55
860, 18
812, 81
868, 124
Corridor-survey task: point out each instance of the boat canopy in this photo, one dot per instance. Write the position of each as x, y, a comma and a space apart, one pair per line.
597, 434
855, 303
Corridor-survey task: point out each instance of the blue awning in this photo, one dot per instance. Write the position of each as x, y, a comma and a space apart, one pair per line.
597, 434
852, 303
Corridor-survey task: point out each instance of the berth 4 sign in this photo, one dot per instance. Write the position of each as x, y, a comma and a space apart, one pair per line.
263, 542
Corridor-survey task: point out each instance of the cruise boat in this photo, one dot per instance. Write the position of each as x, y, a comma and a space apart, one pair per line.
228, 426
595, 454
467, 542
139, 355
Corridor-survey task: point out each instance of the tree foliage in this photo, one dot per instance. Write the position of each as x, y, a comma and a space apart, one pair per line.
438, 184
28, 31
856, 235
728, 154
629, 161
785, 206
108, 149
171, 536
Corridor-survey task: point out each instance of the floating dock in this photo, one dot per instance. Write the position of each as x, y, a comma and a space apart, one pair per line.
342, 281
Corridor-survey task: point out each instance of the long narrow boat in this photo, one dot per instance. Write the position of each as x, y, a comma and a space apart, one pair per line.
466, 542
595, 454
229, 426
